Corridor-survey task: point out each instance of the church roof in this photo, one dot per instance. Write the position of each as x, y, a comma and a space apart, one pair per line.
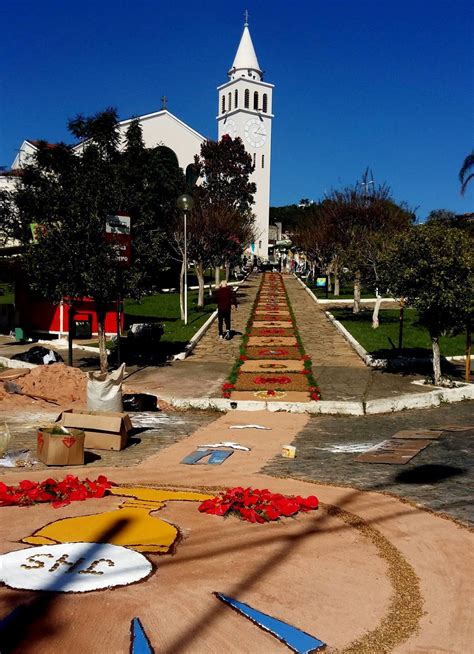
245, 58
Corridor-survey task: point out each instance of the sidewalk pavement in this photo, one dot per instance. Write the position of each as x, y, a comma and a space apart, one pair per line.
340, 373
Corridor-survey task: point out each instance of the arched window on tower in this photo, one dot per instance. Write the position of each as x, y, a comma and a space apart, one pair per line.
254, 159
223, 104
265, 103
230, 102
255, 100
263, 161
247, 98
236, 98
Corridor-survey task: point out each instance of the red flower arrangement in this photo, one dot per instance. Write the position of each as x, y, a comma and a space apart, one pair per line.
59, 493
254, 505
306, 357
272, 380
314, 393
243, 357
306, 371
227, 389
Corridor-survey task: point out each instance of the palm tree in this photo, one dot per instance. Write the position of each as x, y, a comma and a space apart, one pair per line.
467, 166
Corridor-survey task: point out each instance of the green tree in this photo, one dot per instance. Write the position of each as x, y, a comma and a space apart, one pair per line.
221, 223
364, 219
467, 172
70, 196
432, 268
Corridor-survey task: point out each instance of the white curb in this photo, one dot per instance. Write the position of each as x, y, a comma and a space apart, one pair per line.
196, 338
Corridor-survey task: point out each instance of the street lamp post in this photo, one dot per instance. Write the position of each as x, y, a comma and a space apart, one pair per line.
185, 203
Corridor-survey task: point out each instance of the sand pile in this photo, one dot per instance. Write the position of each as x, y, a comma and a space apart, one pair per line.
59, 382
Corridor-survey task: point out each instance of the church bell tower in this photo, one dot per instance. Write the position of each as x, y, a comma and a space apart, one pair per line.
245, 110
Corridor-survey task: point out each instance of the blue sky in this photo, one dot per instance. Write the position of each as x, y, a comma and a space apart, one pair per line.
380, 84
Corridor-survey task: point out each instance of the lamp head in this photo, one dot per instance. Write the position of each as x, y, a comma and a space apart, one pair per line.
185, 202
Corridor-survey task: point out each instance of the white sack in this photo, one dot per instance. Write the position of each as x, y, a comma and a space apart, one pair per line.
104, 390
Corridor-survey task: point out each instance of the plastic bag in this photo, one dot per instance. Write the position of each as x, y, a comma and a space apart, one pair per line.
104, 390
5, 438
39, 355
17, 459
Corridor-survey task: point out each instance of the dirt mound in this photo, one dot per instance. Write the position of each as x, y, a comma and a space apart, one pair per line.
59, 382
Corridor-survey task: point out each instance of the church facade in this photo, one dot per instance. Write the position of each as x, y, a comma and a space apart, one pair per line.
244, 110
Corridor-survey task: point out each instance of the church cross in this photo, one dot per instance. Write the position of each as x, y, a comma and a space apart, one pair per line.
164, 102
246, 16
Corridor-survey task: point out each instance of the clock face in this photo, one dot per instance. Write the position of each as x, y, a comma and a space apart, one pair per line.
255, 132
229, 127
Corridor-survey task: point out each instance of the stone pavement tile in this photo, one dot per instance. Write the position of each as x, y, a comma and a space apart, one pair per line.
439, 478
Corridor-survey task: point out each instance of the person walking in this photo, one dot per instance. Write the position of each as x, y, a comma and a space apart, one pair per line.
225, 298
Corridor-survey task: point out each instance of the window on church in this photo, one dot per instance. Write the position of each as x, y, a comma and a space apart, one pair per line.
236, 98
230, 101
247, 98
254, 159
265, 103
263, 161
255, 100
223, 103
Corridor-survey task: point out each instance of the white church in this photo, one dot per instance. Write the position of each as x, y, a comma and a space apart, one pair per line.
244, 110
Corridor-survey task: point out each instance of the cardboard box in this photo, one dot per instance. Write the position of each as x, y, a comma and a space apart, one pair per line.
63, 449
103, 430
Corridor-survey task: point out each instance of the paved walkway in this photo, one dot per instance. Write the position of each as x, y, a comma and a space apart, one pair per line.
339, 371
206, 369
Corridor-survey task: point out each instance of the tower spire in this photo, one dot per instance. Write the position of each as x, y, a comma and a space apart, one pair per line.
245, 61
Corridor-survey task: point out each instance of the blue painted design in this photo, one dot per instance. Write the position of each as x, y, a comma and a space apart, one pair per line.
216, 457
140, 642
196, 456
297, 640
219, 456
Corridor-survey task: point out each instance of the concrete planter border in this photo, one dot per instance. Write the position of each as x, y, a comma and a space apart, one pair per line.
384, 405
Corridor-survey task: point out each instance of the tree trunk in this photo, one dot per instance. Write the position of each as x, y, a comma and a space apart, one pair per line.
328, 272
436, 359
227, 271
468, 353
357, 285
181, 291
200, 277
336, 280
70, 334
375, 315
104, 364
217, 276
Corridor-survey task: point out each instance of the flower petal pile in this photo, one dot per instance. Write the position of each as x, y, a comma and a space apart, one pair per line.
59, 493
254, 505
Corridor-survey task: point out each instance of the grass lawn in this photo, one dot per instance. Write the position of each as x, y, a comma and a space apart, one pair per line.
7, 295
346, 292
164, 307
383, 341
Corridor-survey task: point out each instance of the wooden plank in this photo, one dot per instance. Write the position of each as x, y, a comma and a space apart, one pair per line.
393, 451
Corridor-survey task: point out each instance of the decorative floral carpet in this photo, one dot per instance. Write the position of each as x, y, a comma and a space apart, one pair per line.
272, 362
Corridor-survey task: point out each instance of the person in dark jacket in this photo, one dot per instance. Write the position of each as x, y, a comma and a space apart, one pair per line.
225, 298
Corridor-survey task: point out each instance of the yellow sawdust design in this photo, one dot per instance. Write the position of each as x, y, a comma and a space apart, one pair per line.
131, 525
